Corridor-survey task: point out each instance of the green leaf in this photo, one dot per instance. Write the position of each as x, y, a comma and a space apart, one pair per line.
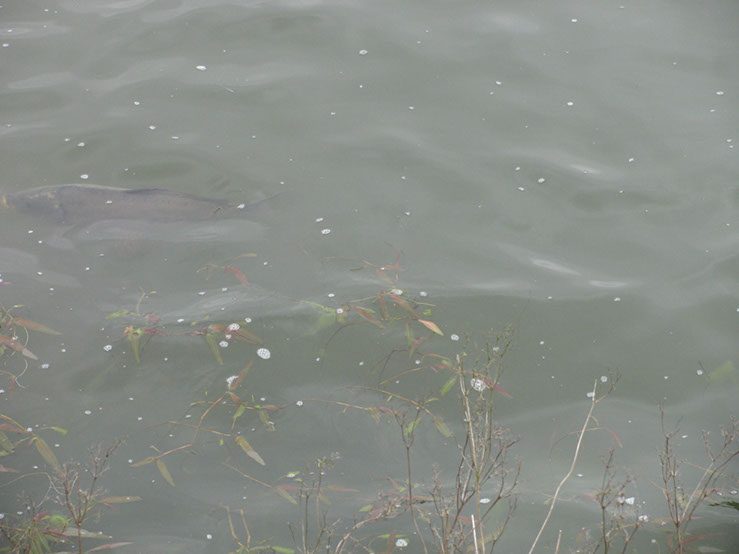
448, 386
246, 447
442, 427
239, 412
726, 373
118, 314
213, 343
165, 472
412, 425
47, 453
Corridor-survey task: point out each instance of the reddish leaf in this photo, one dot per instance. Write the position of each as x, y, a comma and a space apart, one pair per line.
33, 326
431, 325
403, 303
236, 271
368, 316
17, 346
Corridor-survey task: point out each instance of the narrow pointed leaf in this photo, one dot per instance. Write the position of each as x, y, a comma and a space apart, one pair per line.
47, 453
109, 546
214, 348
238, 413
242, 375
135, 340
403, 303
442, 427
146, 461
117, 314
247, 336
368, 316
448, 385
84, 533
409, 336
383, 307
431, 325
246, 447
238, 273
165, 472
17, 346
33, 326
286, 495
119, 499
502, 391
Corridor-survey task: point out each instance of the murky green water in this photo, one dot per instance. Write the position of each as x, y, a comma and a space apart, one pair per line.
565, 170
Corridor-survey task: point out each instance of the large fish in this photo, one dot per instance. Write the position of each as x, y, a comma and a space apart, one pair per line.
75, 204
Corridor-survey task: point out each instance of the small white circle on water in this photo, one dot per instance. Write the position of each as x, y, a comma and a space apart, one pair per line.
234, 327
108, 347
200, 67
223, 344
454, 336
325, 231
299, 403
264, 353
401, 543
363, 52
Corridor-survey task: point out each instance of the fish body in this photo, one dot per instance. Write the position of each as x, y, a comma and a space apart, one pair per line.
75, 204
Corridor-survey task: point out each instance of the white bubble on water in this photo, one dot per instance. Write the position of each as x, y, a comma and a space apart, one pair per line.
454, 337
299, 403
264, 353
363, 52
401, 543
397, 292
234, 327
200, 67
325, 231
223, 344
423, 293
108, 347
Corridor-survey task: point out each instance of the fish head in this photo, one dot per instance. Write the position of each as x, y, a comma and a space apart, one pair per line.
44, 203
